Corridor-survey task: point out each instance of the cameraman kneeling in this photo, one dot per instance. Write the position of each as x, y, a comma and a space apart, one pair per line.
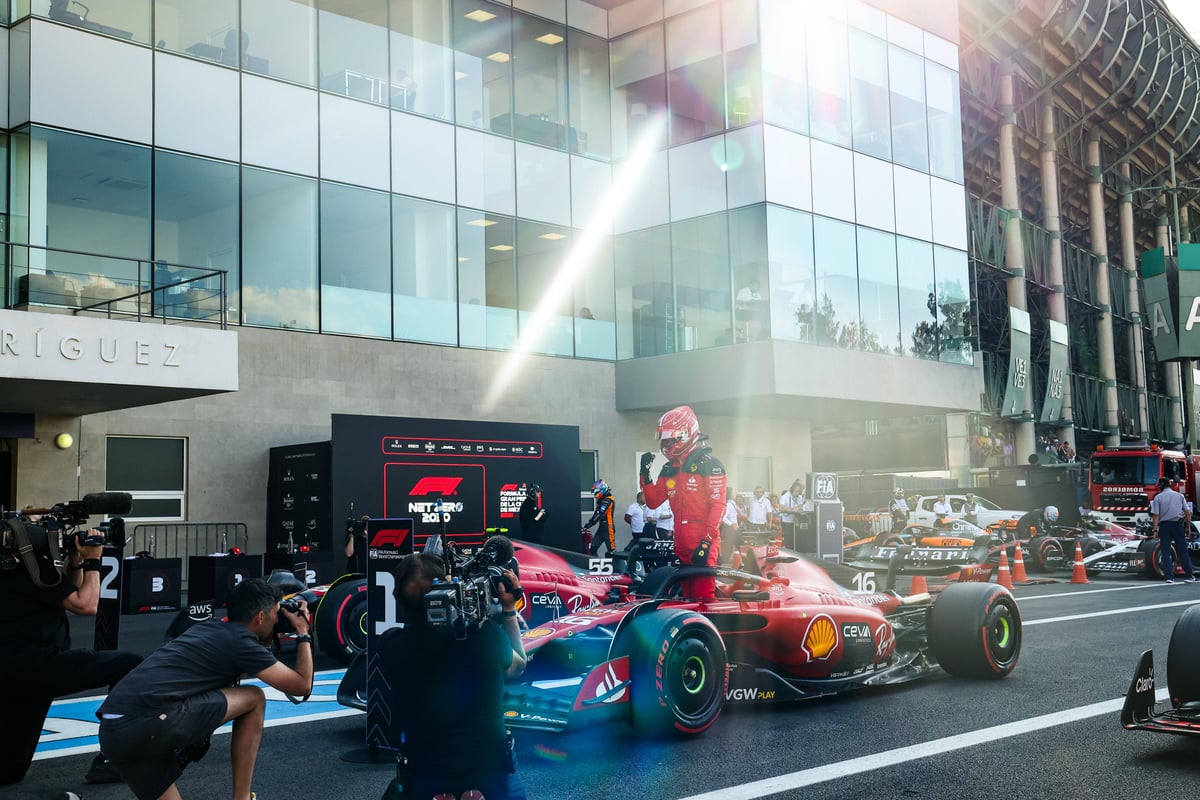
448, 690
37, 663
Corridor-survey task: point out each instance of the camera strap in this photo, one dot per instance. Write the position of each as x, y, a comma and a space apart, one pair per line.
34, 564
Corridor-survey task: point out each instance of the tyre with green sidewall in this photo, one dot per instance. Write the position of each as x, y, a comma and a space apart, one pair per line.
974, 630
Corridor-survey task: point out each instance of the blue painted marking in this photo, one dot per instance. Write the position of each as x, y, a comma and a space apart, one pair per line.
71, 726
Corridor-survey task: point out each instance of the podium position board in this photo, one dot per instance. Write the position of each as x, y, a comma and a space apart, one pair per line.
151, 584
388, 541
212, 577
311, 569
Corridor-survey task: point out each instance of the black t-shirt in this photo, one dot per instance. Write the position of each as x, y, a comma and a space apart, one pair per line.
30, 616
448, 698
211, 655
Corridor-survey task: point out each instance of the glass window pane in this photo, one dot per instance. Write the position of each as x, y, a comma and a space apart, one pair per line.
645, 300
487, 285
953, 306
424, 271
279, 247
133, 463
356, 270
696, 81
869, 85
587, 72
422, 58
545, 302
196, 225
878, 291
595, 312
279, 39
945, 127
837, 283
206, 30
483, 66
703, 291
540, 83
785, 87
354, 50
828, 80
129, 19
910, 146
792, 273
639, 88
918, 323
751, 276
743, 63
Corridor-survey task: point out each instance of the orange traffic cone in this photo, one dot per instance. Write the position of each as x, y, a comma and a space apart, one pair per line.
1079, 574
1003, 576
918, 585
1018, 571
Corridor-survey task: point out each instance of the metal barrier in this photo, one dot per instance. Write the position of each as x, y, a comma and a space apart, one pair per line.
183, 539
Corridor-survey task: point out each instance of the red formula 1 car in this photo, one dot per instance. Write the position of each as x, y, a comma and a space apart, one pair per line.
1182, 716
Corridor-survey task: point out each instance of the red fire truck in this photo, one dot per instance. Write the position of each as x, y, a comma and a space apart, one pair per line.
1123, 480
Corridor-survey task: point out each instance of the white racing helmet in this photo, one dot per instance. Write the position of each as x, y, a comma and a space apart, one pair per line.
1051, 513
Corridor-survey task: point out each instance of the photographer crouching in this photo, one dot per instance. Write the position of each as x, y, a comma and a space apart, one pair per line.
47, 570
448, 686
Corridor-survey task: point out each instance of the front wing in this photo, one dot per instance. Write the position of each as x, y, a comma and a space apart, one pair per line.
1139, 714
1124, 557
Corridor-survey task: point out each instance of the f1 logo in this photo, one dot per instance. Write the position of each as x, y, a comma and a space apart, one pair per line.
393, 537
436, 485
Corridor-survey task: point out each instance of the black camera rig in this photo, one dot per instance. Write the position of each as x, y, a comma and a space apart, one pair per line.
469, 594
41, 539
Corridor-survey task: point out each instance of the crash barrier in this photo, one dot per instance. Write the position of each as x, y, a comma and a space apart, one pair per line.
185, 539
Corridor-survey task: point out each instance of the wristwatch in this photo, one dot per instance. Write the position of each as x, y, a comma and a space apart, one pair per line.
304, 637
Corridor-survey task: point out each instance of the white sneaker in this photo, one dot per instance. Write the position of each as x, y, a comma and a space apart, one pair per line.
1189, 580
1169, 580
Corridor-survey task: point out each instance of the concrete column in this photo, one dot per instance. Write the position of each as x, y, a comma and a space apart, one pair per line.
1052, 221
1014, 253
1104, 332
1171, 369
1129, 256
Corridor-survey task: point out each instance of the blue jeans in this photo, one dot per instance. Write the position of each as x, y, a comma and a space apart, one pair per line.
1172, 533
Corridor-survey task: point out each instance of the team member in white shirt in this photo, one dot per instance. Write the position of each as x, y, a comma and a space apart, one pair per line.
791, 502
758, 510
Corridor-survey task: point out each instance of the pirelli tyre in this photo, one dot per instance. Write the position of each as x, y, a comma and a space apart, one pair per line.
1183, 654
974, 630
1154, 563
1045, 554
341, 619
678, 672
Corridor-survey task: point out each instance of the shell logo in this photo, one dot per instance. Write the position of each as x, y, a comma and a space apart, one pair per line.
670, 483
821, 638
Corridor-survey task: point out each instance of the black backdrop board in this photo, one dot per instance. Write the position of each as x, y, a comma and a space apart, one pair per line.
311, 569
401, 467
388, 541
151, 584
298, 488
212, 577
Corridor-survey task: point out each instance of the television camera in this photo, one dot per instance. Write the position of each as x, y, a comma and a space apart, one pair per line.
41, 539
469, 594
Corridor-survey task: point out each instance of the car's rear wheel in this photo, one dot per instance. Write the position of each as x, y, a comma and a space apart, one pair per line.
1046, 554
678, 672
1183, 654
974, 630
341, 620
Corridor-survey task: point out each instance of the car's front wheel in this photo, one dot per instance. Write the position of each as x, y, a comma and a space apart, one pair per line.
341, 619
1183, 654
974, 630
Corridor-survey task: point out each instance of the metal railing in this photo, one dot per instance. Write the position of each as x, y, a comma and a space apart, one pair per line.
138, 288
183, 539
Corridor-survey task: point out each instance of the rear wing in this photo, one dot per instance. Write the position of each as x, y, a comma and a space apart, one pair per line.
913, 560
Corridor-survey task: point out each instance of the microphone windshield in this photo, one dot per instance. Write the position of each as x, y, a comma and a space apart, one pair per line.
498, 550
107, 503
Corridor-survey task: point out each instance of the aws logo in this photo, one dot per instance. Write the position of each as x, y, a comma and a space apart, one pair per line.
821, 638
435, 485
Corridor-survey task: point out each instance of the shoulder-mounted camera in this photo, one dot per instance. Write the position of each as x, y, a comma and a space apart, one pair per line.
41, 539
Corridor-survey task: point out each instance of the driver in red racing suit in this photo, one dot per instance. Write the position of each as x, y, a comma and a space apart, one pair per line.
694, 483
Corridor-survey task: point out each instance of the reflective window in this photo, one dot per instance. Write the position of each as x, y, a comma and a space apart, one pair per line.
945, 126
195, 226
785, 87
354, 50
483, 66
828, 80
918, 307
753, 297
639, 87
424, 271
153, 470
953, 306
878, 292
487, 280
129, 19
279, 250
546, 303
695, 82
837, 313
206, 30
279, 39
743, 63
792, 274
700, 262
595, 312
422, 77
587, 78
645, 300
540, 83
869, 93
356, 268
910, 145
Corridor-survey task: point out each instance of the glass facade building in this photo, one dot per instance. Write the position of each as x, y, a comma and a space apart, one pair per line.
542, 174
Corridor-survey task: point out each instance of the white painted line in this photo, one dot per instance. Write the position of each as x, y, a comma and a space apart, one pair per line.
1067, 595
854, 766
1026, 623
